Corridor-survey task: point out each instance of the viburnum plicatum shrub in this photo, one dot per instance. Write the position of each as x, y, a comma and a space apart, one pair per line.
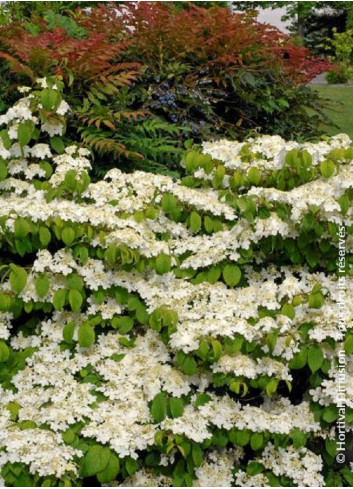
159, 332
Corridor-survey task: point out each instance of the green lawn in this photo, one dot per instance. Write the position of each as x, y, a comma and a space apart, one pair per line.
342, 112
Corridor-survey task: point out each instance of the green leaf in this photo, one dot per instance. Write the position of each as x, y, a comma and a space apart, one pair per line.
131, 466
343, 201
151, 212
240, 437
159, 407
216, 350
220, 172
236, 180
176, 407
189, 366
95, 460
208, 224
44, 236
192, 160
6, 140
123, 323
18, 278
133, 303
21, 228
24, 133
201, 400
110, 254
50, 98
28, 307
330, 414
254, 176
42, 285
288, 310
327, 168
316, 300
207, 163
57, 144
68, 436
126, 342
4, 352
348, 344
306, 158
68, 332
231, 275
75, 300
163, 263
308, 222
333, 479
271, 387
196, 453
256, 441
3, 171
68, 235
311, 257
298, 437
5, 302
48, 170
168, 202
74, 281
348, 475
14, 408
70, 180
331, 446
234, 386
142, 315
170, 317
315, 358
213, 274
254, 468
84, 255
59, 298
86, 335
111, 471
299, 359
195, 222
271, 339
217, 225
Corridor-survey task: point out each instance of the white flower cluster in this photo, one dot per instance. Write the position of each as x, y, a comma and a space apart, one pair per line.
159, 320
43, 451
329, 392
216, 471
301, 466
275, 416
268, 152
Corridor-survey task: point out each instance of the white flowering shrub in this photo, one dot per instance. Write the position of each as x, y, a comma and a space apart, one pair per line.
158, 332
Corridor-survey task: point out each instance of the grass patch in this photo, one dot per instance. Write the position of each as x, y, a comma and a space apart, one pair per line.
341, 111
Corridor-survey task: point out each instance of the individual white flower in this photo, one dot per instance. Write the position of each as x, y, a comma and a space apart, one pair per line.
52, 129
63, 108
24, 89
42, 82
41, 151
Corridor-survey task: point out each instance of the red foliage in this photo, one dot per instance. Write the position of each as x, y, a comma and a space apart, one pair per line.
155, 34
212, 36
301, 66
55, 51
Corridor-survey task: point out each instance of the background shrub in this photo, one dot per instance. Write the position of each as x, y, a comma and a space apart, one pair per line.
159, 331
340, 51
145, 80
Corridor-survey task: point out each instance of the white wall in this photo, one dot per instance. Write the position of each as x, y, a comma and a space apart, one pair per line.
274, 17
